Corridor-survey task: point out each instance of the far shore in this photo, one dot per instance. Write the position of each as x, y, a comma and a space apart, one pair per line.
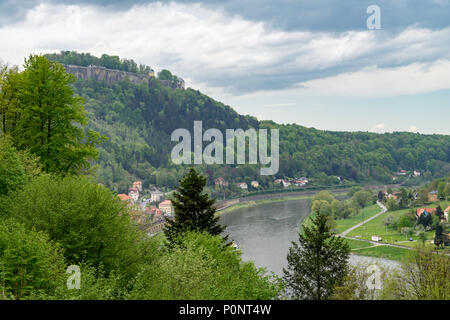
246, 202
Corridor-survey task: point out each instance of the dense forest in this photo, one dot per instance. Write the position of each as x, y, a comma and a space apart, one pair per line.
138, 121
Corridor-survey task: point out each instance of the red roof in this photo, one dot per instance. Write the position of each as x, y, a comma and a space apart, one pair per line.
166, 202
419, 211
123, 197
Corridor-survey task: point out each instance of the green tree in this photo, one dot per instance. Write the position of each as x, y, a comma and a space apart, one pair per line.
10, 83
404, 222
201, 267
391, 204
51, 116
439, 235
423, 195
362, 197
30, 264
12, 173
88, 220
423, 275
194, 210
439, 212
318, 263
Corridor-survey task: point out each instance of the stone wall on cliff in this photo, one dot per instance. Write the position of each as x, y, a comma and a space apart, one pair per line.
110, 76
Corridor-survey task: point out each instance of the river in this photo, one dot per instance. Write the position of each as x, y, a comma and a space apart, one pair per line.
264, 232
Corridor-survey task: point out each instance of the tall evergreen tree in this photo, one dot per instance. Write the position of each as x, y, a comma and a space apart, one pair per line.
439, 213
194, 210
318, 263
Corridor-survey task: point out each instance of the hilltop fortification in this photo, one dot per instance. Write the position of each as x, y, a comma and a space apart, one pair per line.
110, 76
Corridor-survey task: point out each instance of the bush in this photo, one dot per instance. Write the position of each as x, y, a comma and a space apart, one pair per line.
30, 264
201, 267
88, 220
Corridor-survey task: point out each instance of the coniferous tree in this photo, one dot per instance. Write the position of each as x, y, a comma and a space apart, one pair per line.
318, 263
439, 212
194, 210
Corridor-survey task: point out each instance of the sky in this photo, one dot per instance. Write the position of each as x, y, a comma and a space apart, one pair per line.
314, 63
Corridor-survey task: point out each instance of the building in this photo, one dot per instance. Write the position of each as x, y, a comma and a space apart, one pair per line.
166, 206
242, 185
424, 211
156, 195
416, 173
376, 238
255, 184
433, 196
220, 182
285, 183
124, 197
133, 193
138, 185
303, 182
446, 213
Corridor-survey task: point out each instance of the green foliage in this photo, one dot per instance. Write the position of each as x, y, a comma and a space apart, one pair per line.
30, 264
138, 119
12, 172
107, 61
392, 204
202, 267
363, 197
318, 263
424, 275
194, 210
41, 114
90, 223
404, 222
324, 195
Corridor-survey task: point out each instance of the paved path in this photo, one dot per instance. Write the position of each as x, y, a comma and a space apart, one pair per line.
375, 243
383, 210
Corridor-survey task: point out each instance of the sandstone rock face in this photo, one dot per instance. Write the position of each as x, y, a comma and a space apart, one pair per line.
110, 76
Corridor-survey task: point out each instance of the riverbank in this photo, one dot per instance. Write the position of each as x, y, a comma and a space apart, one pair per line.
246, 202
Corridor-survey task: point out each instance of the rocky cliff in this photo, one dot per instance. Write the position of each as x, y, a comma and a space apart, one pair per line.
110, 76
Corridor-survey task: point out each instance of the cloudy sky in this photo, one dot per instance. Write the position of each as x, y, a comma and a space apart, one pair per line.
314, 63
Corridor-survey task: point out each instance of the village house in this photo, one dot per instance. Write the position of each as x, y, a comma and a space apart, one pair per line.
133, 193
138, 185
433, 196
446, 213
255, 184
301, 182
125, 197
156, 195
220, 182
285, 183
166, 206
424, 211
416, 173
277, 181
242, 185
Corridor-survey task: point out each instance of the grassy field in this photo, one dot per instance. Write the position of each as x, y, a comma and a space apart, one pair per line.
386, 252
389, 235
367, 212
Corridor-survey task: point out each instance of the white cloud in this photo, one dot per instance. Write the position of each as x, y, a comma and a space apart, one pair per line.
379, 128
411, 79
413, 129
218, 53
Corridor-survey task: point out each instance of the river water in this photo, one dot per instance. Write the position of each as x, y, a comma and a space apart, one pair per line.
264, 232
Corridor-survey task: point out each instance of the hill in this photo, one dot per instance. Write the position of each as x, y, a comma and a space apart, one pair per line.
138, 117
